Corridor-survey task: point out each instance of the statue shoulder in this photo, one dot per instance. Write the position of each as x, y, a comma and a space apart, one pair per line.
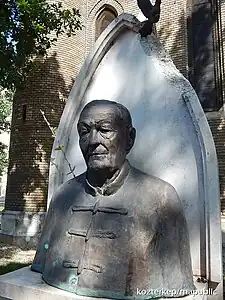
152, 180
156, 185
69, 187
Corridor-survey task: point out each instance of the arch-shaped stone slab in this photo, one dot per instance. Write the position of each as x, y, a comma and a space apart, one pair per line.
174, 141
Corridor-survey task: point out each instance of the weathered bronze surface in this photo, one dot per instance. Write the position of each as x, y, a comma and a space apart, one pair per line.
151, 12
114, 231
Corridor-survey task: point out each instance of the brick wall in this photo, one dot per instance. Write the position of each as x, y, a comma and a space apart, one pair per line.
48, 87
217, 125
222, 6
31, 142
172, 32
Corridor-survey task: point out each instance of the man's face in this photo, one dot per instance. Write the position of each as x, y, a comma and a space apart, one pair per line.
103, 138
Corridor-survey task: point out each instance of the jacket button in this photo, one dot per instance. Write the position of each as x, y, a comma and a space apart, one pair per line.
73, 282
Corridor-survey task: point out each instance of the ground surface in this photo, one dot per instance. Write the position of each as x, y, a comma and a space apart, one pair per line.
13, 257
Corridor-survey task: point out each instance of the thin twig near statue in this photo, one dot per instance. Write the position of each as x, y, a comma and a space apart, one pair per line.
58, 148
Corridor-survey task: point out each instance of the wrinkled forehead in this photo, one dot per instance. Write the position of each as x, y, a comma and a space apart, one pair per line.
100, 112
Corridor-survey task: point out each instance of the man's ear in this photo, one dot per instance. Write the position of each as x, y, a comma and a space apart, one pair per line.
131, 139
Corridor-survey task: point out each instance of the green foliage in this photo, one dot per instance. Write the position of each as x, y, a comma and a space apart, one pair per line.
12, 266
5, 112
29, 28
59, 148
6, 98
3, 158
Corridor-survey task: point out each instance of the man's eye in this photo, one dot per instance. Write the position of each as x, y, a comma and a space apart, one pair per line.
84, 131
105, 130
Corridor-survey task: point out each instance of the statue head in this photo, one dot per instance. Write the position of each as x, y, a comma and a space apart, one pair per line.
106, 134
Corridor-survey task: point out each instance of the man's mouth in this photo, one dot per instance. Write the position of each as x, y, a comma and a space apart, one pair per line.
97, 154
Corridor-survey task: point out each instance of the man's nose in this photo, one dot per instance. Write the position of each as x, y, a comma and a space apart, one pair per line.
94, 137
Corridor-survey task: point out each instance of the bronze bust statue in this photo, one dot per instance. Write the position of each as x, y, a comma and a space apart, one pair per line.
114, 231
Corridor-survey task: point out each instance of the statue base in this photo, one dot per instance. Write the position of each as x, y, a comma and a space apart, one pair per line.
23, 284
21, 228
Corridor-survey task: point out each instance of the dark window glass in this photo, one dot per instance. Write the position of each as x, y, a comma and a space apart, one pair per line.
24, 113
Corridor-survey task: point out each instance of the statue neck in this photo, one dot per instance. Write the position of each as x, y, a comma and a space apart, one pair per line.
101, 178
107, 184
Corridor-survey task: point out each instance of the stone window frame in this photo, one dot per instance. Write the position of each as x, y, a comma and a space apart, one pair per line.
108, 14
92, 16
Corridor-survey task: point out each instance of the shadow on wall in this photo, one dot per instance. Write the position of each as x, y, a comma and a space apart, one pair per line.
204, 54
218, 131
210, 88
176, 50
31, 138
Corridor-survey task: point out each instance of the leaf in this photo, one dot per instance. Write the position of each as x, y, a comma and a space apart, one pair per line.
29, 28
59, 148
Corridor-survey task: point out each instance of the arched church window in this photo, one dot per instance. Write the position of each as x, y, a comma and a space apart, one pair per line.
106, 16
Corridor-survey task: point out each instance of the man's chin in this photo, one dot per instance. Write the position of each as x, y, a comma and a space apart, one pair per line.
97, 166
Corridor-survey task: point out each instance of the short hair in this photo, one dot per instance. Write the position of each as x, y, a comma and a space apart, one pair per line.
122, 112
